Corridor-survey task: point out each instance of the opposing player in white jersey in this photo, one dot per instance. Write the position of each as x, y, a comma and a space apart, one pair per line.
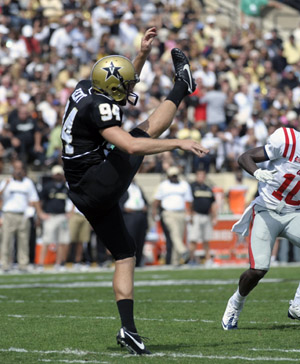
274, 213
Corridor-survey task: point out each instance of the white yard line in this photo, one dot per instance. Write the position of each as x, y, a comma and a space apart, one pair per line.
73, 361
280, 350
103, 301
58, 317
153, 283
53, 317
160, 355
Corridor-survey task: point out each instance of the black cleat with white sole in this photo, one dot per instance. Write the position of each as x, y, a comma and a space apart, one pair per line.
132, 342
182, 69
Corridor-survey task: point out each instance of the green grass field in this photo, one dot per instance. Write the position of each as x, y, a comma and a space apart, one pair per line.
72, 318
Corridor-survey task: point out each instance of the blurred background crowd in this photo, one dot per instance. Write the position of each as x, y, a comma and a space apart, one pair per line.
247, 78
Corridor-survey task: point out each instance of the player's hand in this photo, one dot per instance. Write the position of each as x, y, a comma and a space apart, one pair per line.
147, 40
263, 175
193, 146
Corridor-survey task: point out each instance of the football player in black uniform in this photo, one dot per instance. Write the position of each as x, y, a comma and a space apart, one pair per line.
100, 158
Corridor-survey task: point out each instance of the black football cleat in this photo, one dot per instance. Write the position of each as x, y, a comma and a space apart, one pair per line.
132, 342
182, 69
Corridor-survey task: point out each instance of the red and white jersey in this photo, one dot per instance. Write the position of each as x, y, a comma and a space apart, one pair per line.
283, 192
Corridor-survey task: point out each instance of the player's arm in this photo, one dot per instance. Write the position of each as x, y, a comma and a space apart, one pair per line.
146, 45
144, 146
249, 159
248, 162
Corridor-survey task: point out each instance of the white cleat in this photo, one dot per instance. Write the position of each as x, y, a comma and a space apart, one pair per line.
294, 311
231, 316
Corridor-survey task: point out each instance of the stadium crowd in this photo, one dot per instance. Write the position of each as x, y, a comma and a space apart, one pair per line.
247, 81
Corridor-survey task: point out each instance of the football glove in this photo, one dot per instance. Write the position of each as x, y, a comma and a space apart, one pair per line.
263, 175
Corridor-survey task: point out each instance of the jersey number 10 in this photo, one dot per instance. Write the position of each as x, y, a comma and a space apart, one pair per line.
289, 198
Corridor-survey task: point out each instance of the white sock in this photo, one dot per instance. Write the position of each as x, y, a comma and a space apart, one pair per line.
237, 300
297, 296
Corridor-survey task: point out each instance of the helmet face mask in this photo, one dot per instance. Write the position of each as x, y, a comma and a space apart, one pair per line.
116, 77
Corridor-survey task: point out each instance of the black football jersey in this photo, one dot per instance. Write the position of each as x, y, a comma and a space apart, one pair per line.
86, 113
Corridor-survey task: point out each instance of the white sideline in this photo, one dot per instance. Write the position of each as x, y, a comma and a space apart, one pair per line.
157, 283
113, 355
54, 317
280, 350
73, 361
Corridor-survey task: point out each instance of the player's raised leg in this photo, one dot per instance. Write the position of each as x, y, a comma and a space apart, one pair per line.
163, 116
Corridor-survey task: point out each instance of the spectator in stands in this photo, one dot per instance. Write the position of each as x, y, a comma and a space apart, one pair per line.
234, 48
213, 143
279, 61
215, 100
186, 159
248, 140
102, 18
259, 126
270, 45
207, 74
211, 31
127, 29
61, 39
289, 79
32, 45
199, 108
66, 40
229, 148
291, 50
173, 198
25, 136
231, 107
18, 193
244, 99
52, 8
276, 39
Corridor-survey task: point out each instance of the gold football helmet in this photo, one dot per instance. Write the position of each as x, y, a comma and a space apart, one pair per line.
115, 76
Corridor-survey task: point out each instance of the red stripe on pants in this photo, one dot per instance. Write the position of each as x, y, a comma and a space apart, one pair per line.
251, 258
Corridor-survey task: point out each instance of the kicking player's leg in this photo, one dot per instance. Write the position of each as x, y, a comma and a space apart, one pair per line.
162, 117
